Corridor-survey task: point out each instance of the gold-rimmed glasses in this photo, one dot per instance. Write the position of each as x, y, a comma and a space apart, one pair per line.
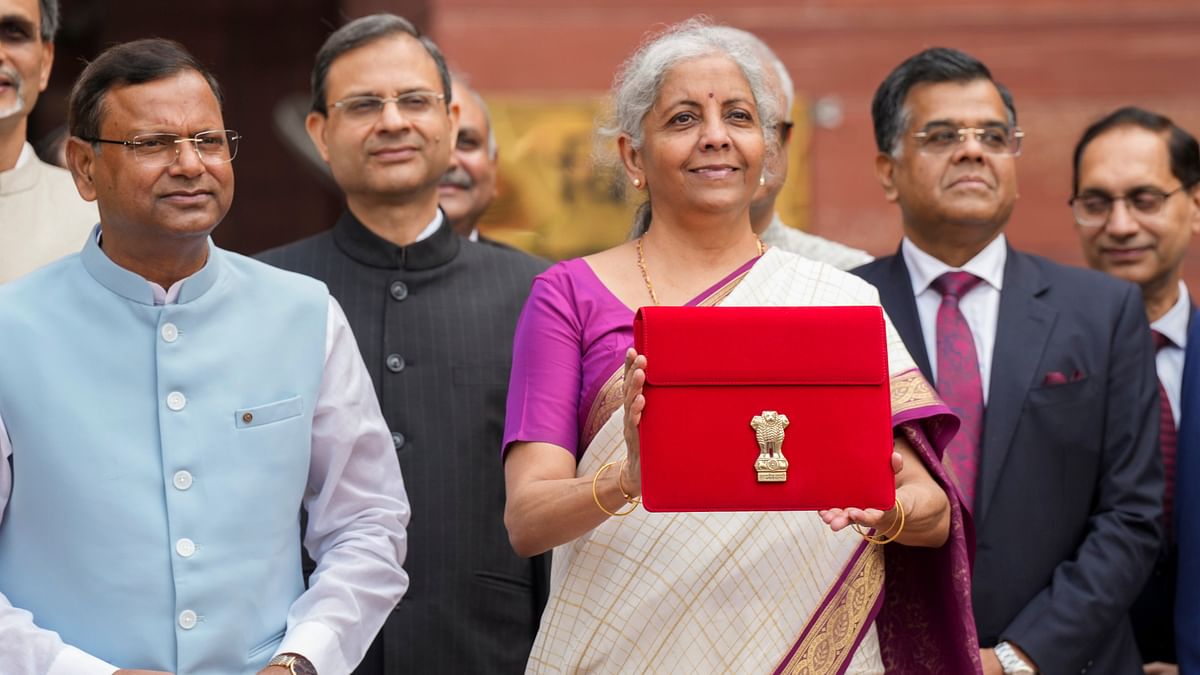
939, 139
216, 146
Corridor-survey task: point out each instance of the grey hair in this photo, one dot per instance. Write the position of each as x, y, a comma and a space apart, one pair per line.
364, 31
638, 81
49, 23
755, 43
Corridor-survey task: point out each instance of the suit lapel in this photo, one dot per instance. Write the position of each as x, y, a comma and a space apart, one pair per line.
1023, 328
896, 295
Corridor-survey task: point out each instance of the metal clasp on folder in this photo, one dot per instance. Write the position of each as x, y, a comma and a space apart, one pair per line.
771, 465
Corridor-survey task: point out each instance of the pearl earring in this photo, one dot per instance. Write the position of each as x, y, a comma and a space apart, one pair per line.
762, 180
637, 182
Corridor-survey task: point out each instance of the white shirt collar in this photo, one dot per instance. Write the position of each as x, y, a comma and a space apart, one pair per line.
25, 157
1174, 324
474, 236
162, 296
431, 227
988, 264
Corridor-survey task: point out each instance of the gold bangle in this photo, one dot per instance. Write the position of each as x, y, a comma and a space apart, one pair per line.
859, 530
883, 537
596, 496
631, 500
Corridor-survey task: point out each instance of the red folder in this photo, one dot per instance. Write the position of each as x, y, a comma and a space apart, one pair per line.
715, 375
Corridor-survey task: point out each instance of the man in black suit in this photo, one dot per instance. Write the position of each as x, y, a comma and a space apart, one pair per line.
1053, 377
434, 315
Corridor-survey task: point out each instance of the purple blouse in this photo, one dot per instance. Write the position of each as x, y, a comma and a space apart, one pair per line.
571, 338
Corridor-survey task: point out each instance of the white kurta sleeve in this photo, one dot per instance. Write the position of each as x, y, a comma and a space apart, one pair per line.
357, 514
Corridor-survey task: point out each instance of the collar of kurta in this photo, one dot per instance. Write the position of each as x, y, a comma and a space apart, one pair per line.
23, 176
368, 248
132, 286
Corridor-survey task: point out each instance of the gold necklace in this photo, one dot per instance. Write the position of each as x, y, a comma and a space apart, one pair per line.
641, 261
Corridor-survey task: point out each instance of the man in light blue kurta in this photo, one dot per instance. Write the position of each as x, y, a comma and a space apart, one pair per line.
167, 407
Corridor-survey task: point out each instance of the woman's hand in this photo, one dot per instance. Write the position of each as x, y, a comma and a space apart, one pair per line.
926, 506
635, 403
882, 521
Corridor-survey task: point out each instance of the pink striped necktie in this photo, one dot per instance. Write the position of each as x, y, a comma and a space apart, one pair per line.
1168, 438
958, 380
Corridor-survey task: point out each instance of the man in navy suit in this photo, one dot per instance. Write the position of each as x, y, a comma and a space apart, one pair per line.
1136, 201
1187, 512
1050, 368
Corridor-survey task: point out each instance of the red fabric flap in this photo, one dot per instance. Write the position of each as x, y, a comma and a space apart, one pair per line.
762, 345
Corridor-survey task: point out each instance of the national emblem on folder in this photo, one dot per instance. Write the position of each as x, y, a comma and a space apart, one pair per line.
771, 465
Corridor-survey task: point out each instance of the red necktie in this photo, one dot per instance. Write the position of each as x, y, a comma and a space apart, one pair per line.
958, 380
1167, 436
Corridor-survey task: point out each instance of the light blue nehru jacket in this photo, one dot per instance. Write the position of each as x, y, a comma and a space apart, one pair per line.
160, 455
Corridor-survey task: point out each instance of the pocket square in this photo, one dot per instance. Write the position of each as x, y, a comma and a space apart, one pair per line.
1055, 377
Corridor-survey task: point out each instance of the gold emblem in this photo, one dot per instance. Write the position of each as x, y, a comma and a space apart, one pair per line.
771, 465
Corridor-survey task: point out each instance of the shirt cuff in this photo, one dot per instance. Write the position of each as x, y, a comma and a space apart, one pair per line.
317, 643
74, 661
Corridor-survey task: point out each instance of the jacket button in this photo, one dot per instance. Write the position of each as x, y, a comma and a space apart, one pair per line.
395, 363
247, 418
176, 401
397, 439
187, 619
399, 290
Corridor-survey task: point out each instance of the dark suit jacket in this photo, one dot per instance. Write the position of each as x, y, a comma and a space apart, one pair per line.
434, 322
1187, 511
1069, 492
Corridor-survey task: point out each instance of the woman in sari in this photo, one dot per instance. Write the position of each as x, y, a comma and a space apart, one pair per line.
795, 592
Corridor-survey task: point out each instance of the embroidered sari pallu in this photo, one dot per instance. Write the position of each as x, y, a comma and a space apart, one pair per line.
796, 416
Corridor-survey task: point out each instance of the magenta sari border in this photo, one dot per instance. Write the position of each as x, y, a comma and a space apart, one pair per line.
722, 283
829, 596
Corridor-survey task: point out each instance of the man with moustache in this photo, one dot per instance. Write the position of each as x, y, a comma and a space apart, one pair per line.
1049, 368
167, 408
469, 185
763, 217
1136, 202
434, 314
42, 216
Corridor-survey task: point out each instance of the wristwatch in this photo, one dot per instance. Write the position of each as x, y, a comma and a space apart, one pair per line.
298, 665
1011, 662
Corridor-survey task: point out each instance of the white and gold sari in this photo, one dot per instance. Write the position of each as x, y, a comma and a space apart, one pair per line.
723, 592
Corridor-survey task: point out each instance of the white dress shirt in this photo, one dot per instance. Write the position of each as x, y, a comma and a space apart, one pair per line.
1169, 360
355, 490
980, 306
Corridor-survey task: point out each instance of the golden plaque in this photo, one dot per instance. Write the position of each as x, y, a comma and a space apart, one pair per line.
771, 465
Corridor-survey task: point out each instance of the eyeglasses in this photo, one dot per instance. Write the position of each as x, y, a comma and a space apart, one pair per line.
214, 147
364, 108
1094, 209
940, 139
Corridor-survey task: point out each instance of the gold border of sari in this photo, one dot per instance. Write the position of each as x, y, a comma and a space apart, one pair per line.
834, 630
910, 390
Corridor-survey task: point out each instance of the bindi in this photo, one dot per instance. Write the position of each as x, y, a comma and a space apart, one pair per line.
711, 95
